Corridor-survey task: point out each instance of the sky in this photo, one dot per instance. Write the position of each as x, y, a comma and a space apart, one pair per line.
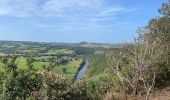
104, 21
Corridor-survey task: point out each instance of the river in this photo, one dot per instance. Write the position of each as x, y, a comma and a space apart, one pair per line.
82, 71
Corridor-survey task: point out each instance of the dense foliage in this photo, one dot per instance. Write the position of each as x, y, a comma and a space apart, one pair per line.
38, 85
145, 64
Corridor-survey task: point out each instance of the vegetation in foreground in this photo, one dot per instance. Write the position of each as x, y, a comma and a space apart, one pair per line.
37, 85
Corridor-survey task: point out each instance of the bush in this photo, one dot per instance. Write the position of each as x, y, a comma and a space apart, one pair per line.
100, 85
31, 84
56, 86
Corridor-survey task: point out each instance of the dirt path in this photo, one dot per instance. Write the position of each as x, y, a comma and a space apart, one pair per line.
162, 94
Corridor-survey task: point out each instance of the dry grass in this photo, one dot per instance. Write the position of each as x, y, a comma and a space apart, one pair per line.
161, 93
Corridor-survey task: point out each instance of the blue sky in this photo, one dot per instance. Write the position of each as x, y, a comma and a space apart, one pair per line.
106, 21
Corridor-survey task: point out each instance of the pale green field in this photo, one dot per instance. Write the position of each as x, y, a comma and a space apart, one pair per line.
1, 67
94, 46
28, 51
60, 51
2, 54
7, 46
38, 65
43, 57
71, 67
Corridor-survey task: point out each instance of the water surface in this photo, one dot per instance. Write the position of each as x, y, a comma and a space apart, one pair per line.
82, 71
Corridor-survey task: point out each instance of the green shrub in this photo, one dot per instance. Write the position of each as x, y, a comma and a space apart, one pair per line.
56, 86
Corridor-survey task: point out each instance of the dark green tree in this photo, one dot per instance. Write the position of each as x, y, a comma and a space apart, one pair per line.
19, 83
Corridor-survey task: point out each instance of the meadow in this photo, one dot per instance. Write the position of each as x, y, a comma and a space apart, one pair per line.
71, 67
65, 58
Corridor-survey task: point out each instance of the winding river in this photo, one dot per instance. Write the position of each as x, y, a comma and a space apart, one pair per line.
82, 71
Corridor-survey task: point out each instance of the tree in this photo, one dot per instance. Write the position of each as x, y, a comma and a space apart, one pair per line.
30, 60
64, 70
147, 60
19, 83
165, 10
159, 29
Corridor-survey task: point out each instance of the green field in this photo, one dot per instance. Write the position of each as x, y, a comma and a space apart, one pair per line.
71, 67
22, 64
60, 51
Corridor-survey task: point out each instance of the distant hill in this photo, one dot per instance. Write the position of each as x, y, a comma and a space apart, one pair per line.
81, 44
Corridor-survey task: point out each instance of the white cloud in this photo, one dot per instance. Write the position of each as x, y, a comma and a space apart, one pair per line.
22, 8
67, 6
117, 10
49, 7
18, 8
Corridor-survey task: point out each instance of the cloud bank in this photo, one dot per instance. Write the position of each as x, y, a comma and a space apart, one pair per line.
30, 8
